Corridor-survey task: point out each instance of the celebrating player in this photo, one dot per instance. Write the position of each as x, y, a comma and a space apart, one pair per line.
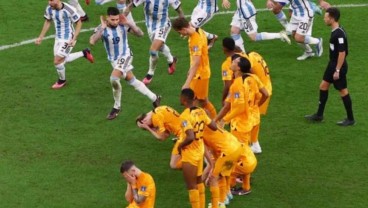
80, 11
158, 26
199, 72
114, 34
336, 70
63, 16
141, 189
245, 19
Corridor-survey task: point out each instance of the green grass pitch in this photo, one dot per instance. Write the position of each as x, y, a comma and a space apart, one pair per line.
58, 150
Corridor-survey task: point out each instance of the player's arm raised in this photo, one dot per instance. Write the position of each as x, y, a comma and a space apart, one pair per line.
192, 71
180, 12
45, 28
324, 4
134, 29
98, 32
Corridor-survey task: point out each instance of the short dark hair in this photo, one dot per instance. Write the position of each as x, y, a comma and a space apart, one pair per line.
113, 11
244, 65
188, 93
228, 43
125, 166
180, 23
140, 118
235, 56
334, 13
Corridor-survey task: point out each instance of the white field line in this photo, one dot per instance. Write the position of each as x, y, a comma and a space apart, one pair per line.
25, 42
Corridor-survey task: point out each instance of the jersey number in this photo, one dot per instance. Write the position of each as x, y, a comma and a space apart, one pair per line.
198, 130
115, 40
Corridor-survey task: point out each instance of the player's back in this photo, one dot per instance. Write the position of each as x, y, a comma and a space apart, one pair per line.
260, 68
116, 42
167, 117
63, 20
255, 96
198, 47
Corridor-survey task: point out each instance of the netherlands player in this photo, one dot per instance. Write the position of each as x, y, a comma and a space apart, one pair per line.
301, 24
199, 72
245, 19
158, 27
64, 16
202, 14
114, 35
191, 148
80, 11
141, 188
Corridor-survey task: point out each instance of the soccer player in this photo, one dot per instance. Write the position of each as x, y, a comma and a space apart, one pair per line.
64, 16
161, 122
191, 148
158, 26
236, 110
199, 72
229, 48
202, 14
80, 11
245, 19
301, 24
121, 5
141, 189
114, 34
261, 70
336, 70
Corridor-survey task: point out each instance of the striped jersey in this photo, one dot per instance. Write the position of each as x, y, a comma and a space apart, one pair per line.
115, 41
209, 5
156, 12
245, 9
301, 8
63, 20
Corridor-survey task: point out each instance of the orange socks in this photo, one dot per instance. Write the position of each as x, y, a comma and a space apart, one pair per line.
223, 189
194, 198
202, 196
246, 182
215, 195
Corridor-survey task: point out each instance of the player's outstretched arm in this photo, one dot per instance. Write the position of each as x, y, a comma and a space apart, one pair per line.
324, 4
133, 28
224, 110
45, 28
128, 9
98, 32
180, 12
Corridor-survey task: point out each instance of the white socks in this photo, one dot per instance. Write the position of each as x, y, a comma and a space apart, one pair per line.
153, 62
267, 36
60, 69
139, 86
311, 40
238, 41
116, 91
71, 57
166, 51
306, 47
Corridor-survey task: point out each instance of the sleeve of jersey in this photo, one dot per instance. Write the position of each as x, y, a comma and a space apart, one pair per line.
175, 4
146, 188
238, 106
226, 74
185, 123
137, 2
157, 121
47, 14
260, 85
341, 42
196, 46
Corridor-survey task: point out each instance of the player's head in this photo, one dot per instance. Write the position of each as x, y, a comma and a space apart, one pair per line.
332, 15
54, 4
187, 97
113, 16
228, 45
241, 64
128, 167
181, 25
144, 118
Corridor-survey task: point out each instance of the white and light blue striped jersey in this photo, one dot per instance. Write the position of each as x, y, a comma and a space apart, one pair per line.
63, 20
209, 5
245, 9
157, 12
301, 8
115, 41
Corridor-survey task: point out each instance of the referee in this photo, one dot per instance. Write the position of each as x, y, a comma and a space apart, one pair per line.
336, 70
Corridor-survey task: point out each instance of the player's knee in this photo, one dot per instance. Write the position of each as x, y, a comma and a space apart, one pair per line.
153, 53
60, 66
299, 38
234, 31
115, 81
277, 8
344, 92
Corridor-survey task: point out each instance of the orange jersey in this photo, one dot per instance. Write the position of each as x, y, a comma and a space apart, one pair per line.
166, 118
227, 73
198, 47
239, 114
220, 141
260, 68
195, 118
254, 84
146, 187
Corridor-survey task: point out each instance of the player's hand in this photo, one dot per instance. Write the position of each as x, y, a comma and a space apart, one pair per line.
130, 179
336, 75
103, 22
270, 4
142, 125
226, 4
324, 5
72, 42
38, 41
122, 19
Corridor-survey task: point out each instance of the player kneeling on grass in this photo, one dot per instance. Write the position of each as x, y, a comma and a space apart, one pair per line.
114, 33
141, 189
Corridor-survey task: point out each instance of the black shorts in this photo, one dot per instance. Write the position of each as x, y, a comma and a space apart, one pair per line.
341, 83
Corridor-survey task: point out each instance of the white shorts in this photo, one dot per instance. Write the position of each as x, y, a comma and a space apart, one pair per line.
302, 25
123, 64
248, 25
200, 17
61, 48
160, 33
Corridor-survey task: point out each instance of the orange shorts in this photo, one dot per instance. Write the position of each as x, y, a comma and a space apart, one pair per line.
194, 157
225, 164
243, 137
200, 88
247, 162
263, 108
